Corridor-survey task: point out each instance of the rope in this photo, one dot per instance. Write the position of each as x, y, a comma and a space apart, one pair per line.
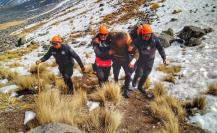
38, 76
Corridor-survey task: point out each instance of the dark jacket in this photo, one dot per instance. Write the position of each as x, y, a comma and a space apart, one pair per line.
122, 53
101, 48
64, 56
147, 49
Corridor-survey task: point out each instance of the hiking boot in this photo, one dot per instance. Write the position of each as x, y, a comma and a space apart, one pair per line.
125, 95
134, 83
142, 90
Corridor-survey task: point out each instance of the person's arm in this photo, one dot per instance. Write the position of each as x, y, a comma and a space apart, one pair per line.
76, 57
98, 52
47, 55
133, 50
160, 50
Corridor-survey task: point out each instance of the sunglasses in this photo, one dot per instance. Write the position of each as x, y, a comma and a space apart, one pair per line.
103, 34
55, 43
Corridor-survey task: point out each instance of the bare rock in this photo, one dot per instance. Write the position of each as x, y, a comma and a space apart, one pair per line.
165, 40
55, 128
192, 35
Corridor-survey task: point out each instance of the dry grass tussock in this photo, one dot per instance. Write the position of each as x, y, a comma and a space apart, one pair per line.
26, 82
155, 6
34, 68
108, 92
5, 73
7, 102
51, 106
212, 89
197, 102
169, 69
170, 78
128, 10
167, 108
15, 64
18, 52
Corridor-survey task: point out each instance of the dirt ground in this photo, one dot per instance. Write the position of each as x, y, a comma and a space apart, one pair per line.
137, 117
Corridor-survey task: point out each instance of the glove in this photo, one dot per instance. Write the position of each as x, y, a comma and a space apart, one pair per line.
83, 69
132, 63
165, 62
111, 52
38, 62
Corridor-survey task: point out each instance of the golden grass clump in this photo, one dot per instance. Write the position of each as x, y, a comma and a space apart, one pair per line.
18, 52
112, 121
108, 91
159, 90
212, 89
101, 120
170, 78
155, 6
167, 108
5, 73
51, 106
8, 102
197, 102
169, 69
26, 82
34, 68
147, 83
15, 64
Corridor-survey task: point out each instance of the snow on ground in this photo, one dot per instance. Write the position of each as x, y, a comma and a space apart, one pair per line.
8, 89
198, 63
29, 115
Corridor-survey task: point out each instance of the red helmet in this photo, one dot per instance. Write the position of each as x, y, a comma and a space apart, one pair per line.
103, 29
147, 29
56, 39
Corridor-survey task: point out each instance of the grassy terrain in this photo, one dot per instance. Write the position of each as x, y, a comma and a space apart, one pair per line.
7, 25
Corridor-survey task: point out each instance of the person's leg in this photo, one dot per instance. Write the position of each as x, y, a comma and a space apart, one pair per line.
67, 73
106, 73
138, 74
128, 73
116, 70
100, 75
146, 72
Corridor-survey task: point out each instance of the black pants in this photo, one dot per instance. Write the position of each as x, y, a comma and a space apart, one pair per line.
102, 74
145, 71
117, 64
67, 72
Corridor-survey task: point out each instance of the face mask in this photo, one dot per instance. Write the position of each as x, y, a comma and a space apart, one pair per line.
103, 37
146, 37
57, 46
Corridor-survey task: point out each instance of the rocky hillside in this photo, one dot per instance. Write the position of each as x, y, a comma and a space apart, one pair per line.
185, 90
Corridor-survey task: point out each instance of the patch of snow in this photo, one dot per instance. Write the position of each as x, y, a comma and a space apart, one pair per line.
8, 89
21, 71
92, 105
4, 81
29, 115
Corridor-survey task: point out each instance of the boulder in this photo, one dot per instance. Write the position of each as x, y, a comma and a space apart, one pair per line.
192, 35
169, 32
21, 41
165, 39
194, 42
55, 128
